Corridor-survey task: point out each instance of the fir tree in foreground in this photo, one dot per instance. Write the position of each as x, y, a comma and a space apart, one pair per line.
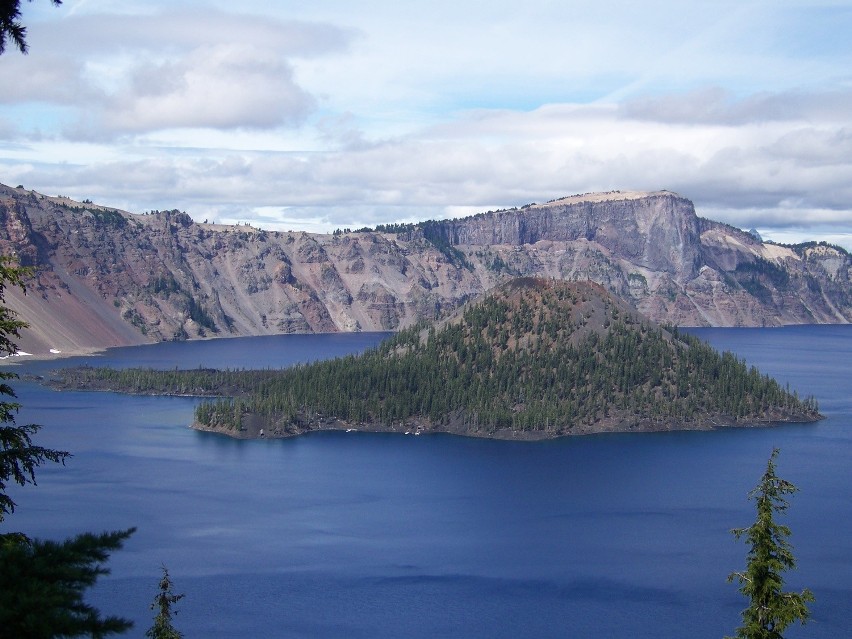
770, 609
19, 457
11, 29
163, 602
42, 583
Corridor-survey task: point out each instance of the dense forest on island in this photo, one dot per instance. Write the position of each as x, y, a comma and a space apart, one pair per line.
534, 358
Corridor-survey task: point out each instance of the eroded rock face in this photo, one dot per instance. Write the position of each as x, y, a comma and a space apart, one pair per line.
106, 277
657, 231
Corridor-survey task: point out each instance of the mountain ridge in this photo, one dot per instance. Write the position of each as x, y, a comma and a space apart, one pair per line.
105, 277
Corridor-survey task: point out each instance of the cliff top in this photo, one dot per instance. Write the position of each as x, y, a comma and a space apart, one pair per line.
607, 196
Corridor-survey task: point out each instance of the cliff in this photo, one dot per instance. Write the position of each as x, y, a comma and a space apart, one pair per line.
106, 277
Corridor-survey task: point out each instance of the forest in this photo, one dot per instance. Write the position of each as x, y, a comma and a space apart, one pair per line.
534, 356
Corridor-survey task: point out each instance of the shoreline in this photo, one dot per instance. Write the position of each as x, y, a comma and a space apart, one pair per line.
254, 428
22, 357
86, 351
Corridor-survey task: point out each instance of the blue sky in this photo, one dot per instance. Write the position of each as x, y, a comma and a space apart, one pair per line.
330, 114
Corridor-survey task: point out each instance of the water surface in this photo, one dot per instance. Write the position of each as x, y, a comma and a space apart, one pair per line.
381, 535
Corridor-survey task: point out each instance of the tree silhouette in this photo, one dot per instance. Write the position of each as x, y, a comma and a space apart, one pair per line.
42, 585
11, 27
165, 599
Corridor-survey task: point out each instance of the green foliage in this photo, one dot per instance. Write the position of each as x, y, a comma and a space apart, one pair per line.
497, 264
168, 285
109, 217
803, 247
534, 363
42, 585
199, 382
133, 316
397, 228
754, 277
525, 367
199, 315
637, 278
19, 457
10, 325
770, 609
165, 283
163, 602
434, 231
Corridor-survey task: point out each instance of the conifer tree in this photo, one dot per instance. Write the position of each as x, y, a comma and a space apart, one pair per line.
19, 457
770, 609
42, 585
163, 602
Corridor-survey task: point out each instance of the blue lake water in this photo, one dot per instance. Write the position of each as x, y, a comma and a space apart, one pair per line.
376, 535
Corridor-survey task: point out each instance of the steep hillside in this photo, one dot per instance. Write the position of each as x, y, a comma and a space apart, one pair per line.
107, 277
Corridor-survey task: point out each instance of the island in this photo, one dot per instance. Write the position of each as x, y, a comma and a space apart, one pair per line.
532, 359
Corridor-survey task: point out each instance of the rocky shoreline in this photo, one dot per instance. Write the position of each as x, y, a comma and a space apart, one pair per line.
255, 428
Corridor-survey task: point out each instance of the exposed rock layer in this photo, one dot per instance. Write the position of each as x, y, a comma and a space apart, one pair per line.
108, 278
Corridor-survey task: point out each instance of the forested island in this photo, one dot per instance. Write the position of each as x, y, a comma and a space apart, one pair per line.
533, 359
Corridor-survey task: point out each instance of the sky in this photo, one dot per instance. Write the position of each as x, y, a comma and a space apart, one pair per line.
334, 114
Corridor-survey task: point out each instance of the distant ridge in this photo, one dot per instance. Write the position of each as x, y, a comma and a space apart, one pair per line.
106, 277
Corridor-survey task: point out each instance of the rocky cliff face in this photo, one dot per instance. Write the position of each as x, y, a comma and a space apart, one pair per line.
656, 231
106, 277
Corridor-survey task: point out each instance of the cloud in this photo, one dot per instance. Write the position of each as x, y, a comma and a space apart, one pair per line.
220, 87
168, 30
131, 75
715, 105
484, 157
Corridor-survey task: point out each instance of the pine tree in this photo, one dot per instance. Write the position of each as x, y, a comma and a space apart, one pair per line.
18, 456
42, 585
162, 628
770, 610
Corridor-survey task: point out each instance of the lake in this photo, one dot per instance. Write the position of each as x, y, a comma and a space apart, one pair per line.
382, 535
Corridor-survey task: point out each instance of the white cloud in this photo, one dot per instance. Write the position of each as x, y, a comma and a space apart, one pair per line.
137, 74
222, 86
513, 158
714, 105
